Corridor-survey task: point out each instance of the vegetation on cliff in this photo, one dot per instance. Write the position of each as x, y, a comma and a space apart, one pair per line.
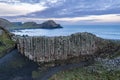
102, 69
6, 44
30, 24
85, 74
50, 24
105, 67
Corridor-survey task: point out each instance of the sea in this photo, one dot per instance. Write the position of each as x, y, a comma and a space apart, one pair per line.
103, 31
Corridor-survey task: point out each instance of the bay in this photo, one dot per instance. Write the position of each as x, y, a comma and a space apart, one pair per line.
103, 31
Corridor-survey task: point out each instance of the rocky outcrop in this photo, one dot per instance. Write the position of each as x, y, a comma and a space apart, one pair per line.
109, 64
49, 49
50, 24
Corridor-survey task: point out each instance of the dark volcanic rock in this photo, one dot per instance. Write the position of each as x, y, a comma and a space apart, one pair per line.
65, 49
47, 49
50, 24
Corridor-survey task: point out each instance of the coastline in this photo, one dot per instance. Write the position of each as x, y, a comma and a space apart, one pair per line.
101, 31
22, 28
47, 73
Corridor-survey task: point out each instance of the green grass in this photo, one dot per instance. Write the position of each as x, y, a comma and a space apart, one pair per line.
6, 44
116, 54
85, 74
36, 74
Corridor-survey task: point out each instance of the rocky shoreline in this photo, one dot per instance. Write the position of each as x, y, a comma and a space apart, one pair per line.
109, 64
65, 52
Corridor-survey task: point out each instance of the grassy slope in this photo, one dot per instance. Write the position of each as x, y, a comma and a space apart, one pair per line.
6, 44
84, 74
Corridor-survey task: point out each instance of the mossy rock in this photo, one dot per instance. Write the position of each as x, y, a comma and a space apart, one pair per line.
5, 45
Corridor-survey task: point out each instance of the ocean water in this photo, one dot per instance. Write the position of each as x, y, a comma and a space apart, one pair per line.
103, 31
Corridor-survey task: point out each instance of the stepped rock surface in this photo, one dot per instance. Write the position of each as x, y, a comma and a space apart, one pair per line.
44, 49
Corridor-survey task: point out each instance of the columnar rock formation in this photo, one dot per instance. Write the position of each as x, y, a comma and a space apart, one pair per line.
48, 49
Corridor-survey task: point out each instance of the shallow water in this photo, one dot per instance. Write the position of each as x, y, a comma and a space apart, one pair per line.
103, 31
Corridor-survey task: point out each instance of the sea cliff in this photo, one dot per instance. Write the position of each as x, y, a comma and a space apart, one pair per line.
79, 46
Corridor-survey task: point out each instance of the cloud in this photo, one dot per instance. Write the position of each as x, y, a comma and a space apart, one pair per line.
61, 10
91, 18
52, 1
21, 1
77, 8
19, 9
10, 1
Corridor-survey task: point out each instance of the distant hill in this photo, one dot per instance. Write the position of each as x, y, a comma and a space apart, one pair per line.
30, 24
5, 23
17, 23
50, 24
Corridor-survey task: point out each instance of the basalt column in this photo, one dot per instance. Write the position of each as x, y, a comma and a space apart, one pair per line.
48, 49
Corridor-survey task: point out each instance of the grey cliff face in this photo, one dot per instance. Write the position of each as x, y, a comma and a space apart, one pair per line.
50, 49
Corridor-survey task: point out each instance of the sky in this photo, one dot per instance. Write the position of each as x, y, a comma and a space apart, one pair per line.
63, 11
